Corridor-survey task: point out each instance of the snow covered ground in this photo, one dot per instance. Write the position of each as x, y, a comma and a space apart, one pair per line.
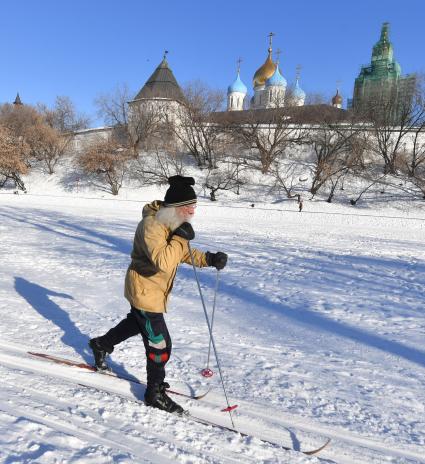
320, 329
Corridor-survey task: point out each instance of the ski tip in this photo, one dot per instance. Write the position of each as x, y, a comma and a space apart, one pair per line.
230, 408
202, 395
309, 453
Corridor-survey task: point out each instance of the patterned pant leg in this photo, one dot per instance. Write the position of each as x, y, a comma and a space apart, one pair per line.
157, 341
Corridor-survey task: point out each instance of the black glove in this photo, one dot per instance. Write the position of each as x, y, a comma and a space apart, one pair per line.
218, 260
185, 231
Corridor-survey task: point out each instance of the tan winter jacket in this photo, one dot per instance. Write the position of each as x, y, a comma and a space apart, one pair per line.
155, 257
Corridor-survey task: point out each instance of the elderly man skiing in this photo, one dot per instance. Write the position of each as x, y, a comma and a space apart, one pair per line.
160, 245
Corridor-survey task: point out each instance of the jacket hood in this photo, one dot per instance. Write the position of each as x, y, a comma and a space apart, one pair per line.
150, 209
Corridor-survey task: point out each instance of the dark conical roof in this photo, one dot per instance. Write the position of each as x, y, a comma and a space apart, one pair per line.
17, 100
162, 84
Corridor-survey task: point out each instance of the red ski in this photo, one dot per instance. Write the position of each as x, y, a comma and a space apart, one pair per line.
187, 414
89, 367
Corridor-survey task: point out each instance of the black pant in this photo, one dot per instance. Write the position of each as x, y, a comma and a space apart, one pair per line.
156, 339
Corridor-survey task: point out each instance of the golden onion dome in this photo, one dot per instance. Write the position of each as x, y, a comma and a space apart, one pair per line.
265, 71
337, 99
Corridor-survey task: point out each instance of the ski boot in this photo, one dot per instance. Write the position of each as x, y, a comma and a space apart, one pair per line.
99, 355
156, 397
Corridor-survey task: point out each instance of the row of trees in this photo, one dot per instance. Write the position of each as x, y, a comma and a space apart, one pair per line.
317, 143
315, 148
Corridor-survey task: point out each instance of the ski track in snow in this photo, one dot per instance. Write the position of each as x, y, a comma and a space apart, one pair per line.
124, 430
319, 328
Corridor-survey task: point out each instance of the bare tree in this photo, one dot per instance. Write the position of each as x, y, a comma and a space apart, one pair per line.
415, 157
147, 124
226, 177
193, 125
392, 119
18, 118
414, 149
63, 116
141, 123
162, 161
157, 166
419, 180
268, 135
107, 161
288, 175
113, 106
338, 148
372, 180
13, 153
47, 144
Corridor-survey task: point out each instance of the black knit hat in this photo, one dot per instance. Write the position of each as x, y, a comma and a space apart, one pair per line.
180, 192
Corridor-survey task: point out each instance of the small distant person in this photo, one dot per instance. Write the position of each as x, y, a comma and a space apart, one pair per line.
300, 203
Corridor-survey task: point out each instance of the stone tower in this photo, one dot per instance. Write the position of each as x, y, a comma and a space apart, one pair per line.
161, 92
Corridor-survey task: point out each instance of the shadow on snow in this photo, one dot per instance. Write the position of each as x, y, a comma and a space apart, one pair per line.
72, 231
306, 317
40, 298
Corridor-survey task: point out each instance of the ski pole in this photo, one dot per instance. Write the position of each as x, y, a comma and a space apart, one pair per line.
207, 372
229, 408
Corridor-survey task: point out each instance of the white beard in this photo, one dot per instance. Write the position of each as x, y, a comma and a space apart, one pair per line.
170, 217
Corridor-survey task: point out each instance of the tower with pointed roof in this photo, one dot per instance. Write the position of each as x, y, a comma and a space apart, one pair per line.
381, 81
160, 93
236, 93
161, 85
18, 100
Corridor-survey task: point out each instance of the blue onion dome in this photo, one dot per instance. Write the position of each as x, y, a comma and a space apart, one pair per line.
276, 79
237, 86
298, 91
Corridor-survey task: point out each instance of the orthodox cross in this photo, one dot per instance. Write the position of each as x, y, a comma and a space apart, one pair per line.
270, 39
298, 71
338, 83
278, 52
238, 62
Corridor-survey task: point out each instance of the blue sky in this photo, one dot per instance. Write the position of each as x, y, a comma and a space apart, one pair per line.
84, 48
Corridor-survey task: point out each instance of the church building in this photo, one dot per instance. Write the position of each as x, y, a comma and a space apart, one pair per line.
381, 81
269, 85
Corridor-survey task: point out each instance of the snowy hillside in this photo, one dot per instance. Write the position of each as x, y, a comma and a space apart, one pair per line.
320, 328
